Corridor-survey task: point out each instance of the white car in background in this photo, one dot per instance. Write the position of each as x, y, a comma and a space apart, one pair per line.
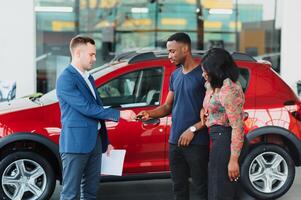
7, 90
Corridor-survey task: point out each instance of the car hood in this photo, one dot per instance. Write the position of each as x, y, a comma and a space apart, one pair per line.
17, 105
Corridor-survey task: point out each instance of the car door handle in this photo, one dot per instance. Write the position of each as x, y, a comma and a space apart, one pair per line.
152, 122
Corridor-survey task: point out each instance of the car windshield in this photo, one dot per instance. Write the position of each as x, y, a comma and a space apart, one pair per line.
49, 97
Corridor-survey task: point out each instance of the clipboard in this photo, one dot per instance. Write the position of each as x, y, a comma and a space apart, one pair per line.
113, 164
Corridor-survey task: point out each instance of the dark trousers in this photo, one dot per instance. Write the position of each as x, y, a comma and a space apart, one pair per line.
185, 162
81, 174
219, 185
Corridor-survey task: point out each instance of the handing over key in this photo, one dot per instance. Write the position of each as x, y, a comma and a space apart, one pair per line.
128, 115
143, 116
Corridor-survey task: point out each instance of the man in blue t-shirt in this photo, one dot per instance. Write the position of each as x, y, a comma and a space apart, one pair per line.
188, 141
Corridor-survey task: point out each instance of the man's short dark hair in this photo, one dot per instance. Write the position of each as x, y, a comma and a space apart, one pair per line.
180, 37
79, 40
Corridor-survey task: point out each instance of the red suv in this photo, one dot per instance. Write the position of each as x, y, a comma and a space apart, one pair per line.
30, 127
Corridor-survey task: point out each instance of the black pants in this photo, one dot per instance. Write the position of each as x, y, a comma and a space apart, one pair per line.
219, 185
185, 162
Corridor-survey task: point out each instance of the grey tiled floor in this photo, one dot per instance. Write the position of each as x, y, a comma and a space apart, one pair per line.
160, 189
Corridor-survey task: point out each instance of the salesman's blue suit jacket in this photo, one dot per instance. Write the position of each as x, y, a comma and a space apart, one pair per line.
80, 113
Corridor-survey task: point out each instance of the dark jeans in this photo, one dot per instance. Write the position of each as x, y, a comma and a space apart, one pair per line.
81, 174
185, 162
219, 185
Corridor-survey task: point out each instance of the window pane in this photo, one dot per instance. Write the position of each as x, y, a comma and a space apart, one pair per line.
243, 78
150, 88
250, 26
139, 88
120, 90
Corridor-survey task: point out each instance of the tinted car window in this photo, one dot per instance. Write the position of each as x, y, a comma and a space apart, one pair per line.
243, 78
138, 88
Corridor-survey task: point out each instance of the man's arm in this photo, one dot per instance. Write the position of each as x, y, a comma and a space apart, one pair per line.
160, 111
69, 93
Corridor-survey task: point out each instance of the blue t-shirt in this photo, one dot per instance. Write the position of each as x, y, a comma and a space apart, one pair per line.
189, 92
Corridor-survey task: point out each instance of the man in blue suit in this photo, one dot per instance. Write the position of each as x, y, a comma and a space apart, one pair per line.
84, 136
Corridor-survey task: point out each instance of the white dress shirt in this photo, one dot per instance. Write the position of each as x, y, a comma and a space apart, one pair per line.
85, 76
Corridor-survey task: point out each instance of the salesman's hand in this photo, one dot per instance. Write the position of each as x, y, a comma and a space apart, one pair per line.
110, 148
185, 138
143, 116
128, 115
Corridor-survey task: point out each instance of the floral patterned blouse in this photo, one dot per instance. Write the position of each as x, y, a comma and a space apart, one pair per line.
225, 107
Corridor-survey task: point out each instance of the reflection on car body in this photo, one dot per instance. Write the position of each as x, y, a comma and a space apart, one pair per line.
138, 81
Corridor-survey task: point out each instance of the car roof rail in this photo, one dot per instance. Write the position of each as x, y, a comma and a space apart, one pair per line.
123, 56
142, 56
235, 55
242, 57
153, 55
138, 56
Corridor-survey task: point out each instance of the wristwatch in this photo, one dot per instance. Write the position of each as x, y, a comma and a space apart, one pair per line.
192, 129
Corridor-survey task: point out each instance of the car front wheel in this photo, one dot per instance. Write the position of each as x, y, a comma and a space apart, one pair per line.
26, 175
267, 172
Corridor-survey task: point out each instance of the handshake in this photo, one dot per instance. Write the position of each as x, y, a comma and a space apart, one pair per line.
130, 115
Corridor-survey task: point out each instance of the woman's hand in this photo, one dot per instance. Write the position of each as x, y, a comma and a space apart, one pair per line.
233, 169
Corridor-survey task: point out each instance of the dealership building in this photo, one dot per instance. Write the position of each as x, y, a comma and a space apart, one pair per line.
35, 34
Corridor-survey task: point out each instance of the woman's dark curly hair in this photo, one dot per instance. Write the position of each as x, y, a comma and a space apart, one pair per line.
219, 65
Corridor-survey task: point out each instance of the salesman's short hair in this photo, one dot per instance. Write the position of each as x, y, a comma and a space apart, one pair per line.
80, 40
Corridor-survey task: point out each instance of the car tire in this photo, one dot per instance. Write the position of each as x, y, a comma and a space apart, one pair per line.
267, 172
26, 175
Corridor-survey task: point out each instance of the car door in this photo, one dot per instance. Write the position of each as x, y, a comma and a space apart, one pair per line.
144, 141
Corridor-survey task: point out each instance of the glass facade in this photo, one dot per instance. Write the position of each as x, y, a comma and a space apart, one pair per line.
249, 26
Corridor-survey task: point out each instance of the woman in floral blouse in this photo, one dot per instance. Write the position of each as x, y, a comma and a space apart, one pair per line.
223, 114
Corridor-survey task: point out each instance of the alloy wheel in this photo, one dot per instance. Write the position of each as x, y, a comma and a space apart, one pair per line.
24, 179
268, 172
